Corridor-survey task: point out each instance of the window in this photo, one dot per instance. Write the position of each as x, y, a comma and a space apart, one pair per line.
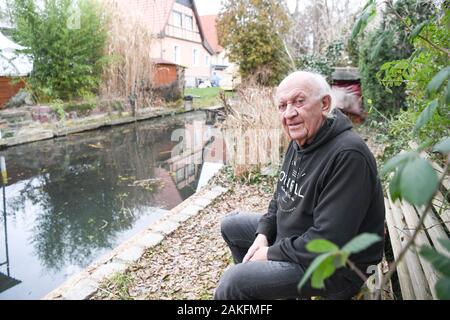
195, 57
191, 169
207, 61
176, 54
188, 23
176, 18
180, 175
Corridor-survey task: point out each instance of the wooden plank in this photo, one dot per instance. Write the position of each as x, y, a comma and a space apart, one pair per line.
404, 278
441, 206
438, 168
418, 280
435, 230
412, 221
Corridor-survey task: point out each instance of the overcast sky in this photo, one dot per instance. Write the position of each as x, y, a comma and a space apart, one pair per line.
205, 7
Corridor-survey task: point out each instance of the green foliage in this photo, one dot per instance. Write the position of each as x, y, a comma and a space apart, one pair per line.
332, 258
443, 146
367, 14
360, 243
250, 30
438, 80
414, 179
67, 55
426, 115
387, 43
58, 106
322, 64
424, 76
321, 246
441, 264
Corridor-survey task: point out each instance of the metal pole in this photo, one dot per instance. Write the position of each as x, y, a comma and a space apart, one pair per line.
4, 182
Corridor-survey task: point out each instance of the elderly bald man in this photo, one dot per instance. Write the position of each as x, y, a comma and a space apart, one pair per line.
328, 188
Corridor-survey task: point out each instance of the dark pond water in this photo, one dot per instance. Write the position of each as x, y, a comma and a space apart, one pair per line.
72, 199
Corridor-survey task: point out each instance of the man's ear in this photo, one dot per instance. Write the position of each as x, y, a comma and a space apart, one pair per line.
326, 104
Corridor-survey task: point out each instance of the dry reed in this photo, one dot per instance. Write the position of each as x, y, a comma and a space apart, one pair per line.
252, 130
128, 75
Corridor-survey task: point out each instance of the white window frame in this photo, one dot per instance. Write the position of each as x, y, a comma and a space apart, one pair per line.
175, 21
195, 57
207, 61
189, 26
177, 54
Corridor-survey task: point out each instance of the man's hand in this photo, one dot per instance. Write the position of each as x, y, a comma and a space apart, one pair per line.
260, 254
259, 243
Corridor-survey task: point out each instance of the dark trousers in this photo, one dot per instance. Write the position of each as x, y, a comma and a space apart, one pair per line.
260, 280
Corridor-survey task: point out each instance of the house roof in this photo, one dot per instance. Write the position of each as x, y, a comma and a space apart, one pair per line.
156, 14
13, 63
162, 61
209, 26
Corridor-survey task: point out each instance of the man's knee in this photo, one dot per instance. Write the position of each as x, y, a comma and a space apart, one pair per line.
231, 286
228, 224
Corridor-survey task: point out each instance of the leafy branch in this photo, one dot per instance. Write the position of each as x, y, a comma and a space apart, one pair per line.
332, 258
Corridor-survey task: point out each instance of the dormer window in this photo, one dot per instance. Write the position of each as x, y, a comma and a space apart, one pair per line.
188, 22
176, 18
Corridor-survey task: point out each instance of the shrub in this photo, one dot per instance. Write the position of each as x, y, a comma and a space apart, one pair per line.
251, 30
389, 41
66, 41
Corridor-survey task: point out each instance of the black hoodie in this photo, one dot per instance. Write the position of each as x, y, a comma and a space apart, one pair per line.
326, 190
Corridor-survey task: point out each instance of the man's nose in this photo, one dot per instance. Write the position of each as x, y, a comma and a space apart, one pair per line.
290, 111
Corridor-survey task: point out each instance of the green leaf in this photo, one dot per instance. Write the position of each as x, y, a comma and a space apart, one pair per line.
442, 146
367, 14
396, 162
445, 243
340, 259
435, 84
312, 267
377, 48
356, 28
440, 262
443, 289
361, 242
418, 182
321, 246
394, 185
426, 114
424, 145
323, 271
418, 29
447, 94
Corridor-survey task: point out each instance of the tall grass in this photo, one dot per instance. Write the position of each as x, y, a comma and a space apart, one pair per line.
252, 130
129, 73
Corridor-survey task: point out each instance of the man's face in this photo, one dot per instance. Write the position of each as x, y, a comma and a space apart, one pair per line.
300, 110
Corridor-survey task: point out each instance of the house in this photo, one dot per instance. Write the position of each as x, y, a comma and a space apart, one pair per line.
222, 69
13, 66
219, 61
179, 36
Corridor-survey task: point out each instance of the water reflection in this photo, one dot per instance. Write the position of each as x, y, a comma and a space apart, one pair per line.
6, 281
69, 200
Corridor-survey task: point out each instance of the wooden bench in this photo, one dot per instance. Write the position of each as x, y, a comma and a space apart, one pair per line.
416, 275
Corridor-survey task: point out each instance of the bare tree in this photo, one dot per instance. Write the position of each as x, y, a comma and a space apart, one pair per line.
316, 24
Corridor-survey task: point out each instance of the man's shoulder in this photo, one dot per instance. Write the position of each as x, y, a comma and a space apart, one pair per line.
350, 140
350, 143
